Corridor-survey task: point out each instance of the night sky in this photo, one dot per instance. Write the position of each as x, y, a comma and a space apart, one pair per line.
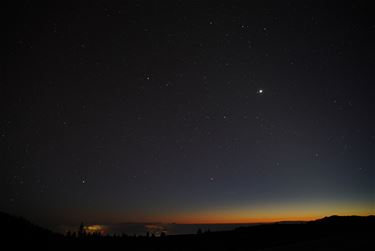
187, 111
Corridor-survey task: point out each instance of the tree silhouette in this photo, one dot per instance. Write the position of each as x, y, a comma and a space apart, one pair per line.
81, 230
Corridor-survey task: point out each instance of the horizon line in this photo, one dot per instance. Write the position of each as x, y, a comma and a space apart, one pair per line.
260, 221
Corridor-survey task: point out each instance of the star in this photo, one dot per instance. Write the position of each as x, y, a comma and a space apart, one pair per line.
260, 91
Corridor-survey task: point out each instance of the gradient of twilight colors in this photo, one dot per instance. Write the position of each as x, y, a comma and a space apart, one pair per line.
187, 112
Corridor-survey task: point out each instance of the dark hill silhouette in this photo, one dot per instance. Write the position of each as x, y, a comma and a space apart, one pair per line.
356, 220
329, 233
21, 229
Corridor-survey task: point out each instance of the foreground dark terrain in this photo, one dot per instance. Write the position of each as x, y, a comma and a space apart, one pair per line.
330, 233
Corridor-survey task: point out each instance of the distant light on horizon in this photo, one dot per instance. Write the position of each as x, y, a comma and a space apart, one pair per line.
95, 229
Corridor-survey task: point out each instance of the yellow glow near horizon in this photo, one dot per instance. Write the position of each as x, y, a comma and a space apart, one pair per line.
94, 229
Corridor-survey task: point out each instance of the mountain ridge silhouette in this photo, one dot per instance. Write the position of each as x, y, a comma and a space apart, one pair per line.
328, 233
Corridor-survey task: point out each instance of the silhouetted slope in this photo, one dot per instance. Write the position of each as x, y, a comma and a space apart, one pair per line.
345, 220
330, 233
21, 229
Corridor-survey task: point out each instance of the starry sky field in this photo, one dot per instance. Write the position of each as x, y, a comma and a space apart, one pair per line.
187, 111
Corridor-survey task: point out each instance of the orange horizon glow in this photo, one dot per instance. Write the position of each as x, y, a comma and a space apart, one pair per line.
296, 212
246, 220
242, 220
253, 220
266, 213
195, 220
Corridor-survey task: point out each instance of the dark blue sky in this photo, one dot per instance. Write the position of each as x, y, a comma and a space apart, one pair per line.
187, 112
